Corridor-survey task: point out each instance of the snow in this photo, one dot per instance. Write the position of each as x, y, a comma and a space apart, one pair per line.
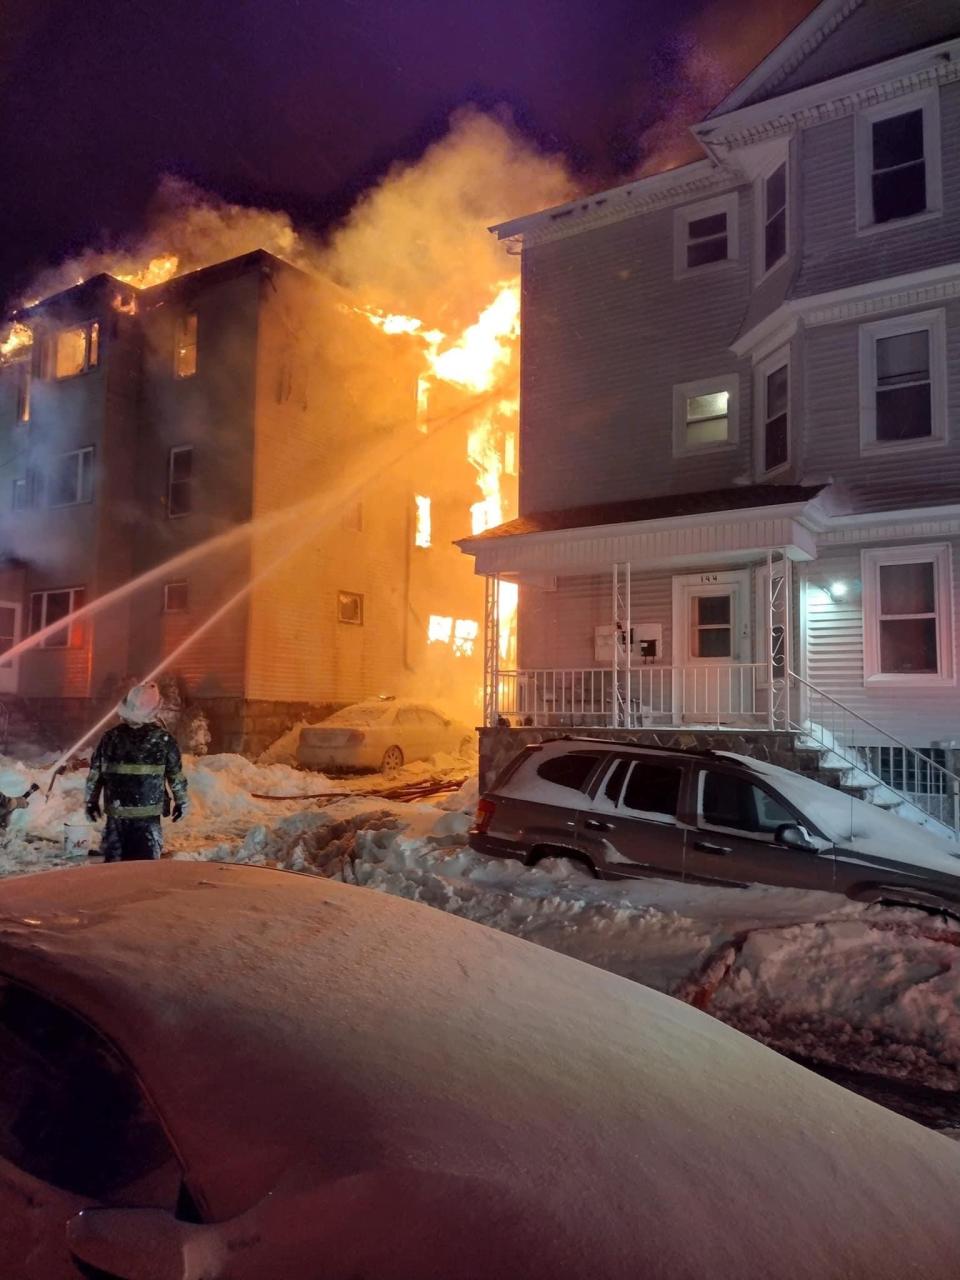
489, 1108
808, 973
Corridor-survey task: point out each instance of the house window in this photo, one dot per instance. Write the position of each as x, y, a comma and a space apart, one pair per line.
774, 217
27, 490
180, 481
422, 532
903, 365
898, 161
72, 479
773, 414
465, 632
351, 518
705, 234
350, 607
23, 391
908, 615
705, 415
176, 597
76, 350
185, 346
50, 607
712, 626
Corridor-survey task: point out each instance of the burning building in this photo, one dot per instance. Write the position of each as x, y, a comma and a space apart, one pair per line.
261, 481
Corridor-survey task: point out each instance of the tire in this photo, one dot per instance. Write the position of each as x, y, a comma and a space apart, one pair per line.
581, 860
392, 760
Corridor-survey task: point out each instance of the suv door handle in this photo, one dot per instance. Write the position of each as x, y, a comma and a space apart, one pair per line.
594, 824
702, 846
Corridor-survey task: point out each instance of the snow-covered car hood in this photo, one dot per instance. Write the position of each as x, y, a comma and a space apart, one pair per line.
853, 825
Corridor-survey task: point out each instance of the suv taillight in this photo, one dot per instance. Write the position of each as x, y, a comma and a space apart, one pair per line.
485, 811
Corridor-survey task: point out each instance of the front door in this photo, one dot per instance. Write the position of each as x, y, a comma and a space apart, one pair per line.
711, 645
9, 635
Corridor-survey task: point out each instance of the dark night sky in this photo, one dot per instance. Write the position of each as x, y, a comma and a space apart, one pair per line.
299, 104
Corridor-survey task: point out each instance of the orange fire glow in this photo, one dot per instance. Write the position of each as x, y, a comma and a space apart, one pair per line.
157, 271
19, 337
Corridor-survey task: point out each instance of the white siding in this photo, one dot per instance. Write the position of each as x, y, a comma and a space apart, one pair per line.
834, 655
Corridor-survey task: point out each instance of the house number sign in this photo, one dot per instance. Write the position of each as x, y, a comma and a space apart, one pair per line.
709, 577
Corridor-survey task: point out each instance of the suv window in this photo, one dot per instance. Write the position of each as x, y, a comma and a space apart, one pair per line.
653, 788
729, 801
568, 770
71, 1111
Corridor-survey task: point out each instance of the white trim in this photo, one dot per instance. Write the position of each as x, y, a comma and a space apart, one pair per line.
777, 360
937, 554
733, 582
935, 325
780, 158
176, 450
684, 391
83, 472
927, 102
729, 204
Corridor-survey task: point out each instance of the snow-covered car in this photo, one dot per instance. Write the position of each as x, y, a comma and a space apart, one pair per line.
213, 1072
709, 817
382, 733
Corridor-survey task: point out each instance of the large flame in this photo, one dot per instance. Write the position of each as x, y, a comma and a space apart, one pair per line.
19, 337
157, 271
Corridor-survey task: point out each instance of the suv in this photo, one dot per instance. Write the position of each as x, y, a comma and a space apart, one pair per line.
708, 817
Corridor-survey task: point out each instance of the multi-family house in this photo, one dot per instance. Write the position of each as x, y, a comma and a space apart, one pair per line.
162, 449
740, 423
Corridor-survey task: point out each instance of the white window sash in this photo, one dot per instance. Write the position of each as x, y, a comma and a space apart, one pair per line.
935, 325
728, 204
760, 269
685, 391
872, 560
779, 359
927, 101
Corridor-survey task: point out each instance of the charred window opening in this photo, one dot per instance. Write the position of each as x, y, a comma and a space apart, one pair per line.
185, 346
180, 481
72, 478
350, 607
73, 351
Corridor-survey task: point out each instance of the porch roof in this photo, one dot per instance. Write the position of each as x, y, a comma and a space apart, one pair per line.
723, 525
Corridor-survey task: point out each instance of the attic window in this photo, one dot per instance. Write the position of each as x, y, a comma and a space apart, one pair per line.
898, 161
705, 415
705, 235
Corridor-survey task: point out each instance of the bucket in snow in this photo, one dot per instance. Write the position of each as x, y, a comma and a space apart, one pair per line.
76, 839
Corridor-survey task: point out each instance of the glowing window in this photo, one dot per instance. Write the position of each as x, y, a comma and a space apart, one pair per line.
465, 632
185, 346
439, 629
350, 607
76, 350
50, 607
422, 534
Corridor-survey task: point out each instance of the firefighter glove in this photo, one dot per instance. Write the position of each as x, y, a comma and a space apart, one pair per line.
93, 810
177, 811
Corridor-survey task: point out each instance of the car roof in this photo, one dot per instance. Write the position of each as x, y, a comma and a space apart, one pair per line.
280, 1020
706, 755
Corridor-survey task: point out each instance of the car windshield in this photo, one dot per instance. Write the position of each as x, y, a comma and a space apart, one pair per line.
362, 713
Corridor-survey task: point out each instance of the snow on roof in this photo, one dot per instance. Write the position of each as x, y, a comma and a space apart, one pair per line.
278, 1019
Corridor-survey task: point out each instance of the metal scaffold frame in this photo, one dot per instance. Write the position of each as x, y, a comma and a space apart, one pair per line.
621, 708
779, 636
491, 649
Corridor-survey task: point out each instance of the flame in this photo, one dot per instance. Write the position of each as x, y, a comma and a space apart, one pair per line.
422, 536
125, 306
157, 271
486, 347
19, 338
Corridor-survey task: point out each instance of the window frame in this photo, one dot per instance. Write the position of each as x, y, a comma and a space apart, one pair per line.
186, 332
927, 101
684, 391
175, 451
32, 483
762, 372
167, 607
761, 270
84, 469
764, 837
76, 633
935, 324
871, 561
342, 596
729, 204
91, 349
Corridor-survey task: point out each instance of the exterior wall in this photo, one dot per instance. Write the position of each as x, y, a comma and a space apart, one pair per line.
608, 331
834, 255
834, 652
832, 425
879, 29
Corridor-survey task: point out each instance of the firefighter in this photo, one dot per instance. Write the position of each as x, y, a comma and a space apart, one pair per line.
14, 793
133, 765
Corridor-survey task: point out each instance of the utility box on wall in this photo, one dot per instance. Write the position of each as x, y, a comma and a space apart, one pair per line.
646, 641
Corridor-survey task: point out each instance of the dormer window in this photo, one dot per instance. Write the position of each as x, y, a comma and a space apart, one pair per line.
73, 351
705, 235
774, 217
898, 161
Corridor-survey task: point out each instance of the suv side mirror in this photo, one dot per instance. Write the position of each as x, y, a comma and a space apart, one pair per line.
145, 1244
793, 836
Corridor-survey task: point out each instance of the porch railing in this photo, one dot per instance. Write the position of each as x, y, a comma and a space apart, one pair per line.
873, 756
585, 696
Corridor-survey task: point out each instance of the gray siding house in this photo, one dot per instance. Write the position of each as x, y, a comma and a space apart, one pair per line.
740, 425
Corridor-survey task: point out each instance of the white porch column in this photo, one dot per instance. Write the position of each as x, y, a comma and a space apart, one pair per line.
621, 705
491, 649
779, 637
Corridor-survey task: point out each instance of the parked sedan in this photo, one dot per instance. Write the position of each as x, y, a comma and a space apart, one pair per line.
211, 1072
710, 817
382, 733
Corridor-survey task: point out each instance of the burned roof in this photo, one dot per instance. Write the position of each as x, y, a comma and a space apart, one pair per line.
664, 507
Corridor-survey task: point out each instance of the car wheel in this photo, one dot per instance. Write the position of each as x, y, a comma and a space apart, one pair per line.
557, 854
392, 760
